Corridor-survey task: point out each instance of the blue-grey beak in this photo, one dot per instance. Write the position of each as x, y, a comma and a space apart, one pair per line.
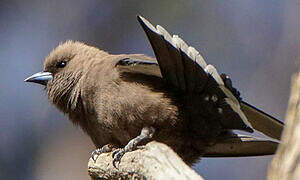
40, 78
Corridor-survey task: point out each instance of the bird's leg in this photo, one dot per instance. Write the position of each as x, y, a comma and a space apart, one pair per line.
146, 133
106, 148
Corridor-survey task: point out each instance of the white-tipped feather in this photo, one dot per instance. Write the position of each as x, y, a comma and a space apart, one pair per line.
176, 42
214, 73
164, 33
148, 24
185, 71
182, 45
192, 53
200, 61
173, 42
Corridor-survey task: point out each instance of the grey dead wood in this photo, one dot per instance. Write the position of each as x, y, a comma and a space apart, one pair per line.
155, 161
286, 163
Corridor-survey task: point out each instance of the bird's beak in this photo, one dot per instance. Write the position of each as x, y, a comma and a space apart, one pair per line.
40, 78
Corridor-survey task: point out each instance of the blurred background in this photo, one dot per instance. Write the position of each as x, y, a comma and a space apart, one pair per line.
256, 42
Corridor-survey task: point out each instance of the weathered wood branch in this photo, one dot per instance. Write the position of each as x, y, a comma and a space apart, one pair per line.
286, 163
155, 161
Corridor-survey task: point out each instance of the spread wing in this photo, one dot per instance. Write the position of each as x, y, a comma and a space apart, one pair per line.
184, 68
260, 120
232, 146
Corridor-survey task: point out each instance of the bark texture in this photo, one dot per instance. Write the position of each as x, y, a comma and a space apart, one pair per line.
286, 163
155, 161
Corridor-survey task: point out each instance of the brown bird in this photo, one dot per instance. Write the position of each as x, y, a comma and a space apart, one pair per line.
126, 100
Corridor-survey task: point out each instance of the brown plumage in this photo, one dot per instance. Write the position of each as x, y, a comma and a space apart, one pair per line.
110, 104
125, 100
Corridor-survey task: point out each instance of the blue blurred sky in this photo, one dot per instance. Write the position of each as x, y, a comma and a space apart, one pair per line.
256, 42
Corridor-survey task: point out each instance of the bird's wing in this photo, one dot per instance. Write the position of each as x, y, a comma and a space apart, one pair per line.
183, 67
241, 145
234, 145
138, 66
262, 121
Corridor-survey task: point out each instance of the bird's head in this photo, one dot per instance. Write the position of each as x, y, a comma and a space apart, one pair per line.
63, 70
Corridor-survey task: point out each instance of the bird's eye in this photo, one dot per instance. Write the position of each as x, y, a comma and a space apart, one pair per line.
61, 64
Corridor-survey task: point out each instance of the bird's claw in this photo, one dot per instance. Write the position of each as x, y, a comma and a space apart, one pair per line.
117, 156
141, 147
104, 149
94, 153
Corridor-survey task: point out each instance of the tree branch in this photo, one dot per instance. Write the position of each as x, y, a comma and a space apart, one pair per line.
155, 161
286, 163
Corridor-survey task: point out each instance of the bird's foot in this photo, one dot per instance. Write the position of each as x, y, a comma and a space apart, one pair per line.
146, 133
106, 148
119, 153
117, 156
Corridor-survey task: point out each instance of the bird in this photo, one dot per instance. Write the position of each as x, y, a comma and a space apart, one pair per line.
123, 101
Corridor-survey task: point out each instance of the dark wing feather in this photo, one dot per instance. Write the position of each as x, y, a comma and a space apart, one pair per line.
233, 145
263, 122
139, 66
240, 146
183, 67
